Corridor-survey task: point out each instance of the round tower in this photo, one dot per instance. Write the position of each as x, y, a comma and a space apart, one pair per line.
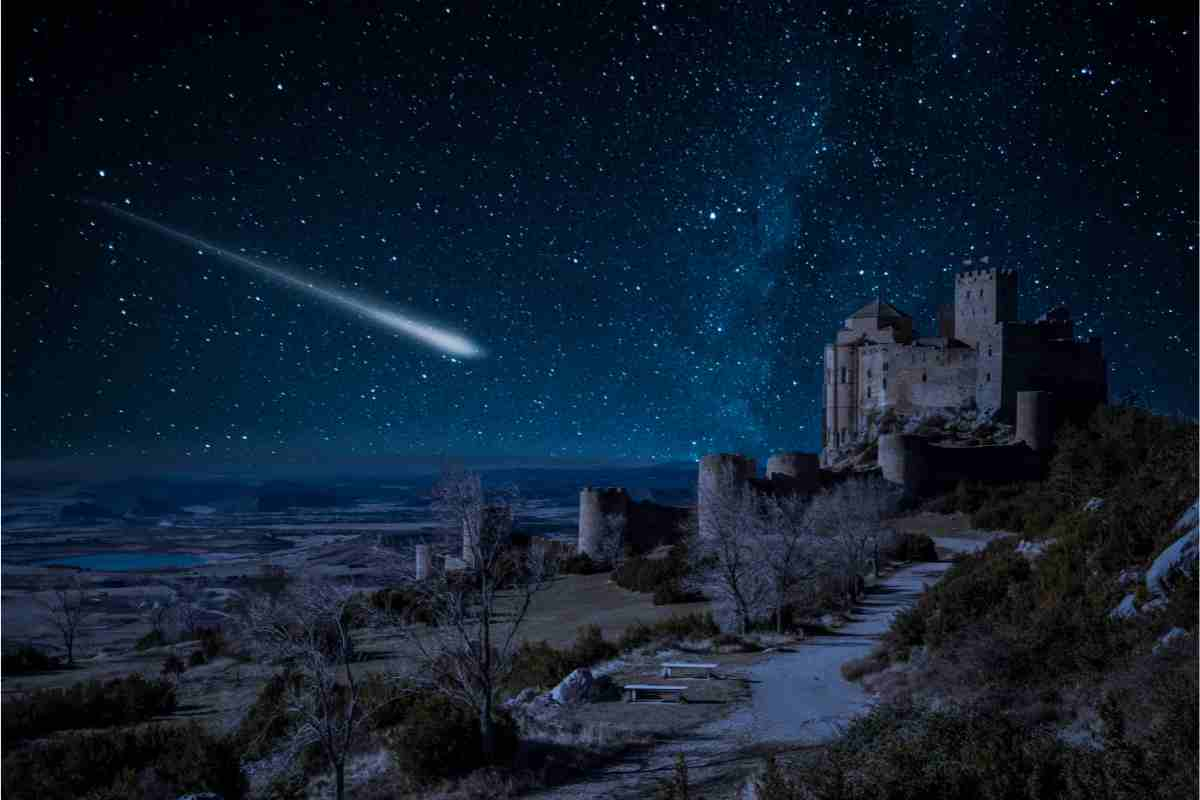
1034, 424
803, 468
423, 562
712, 467
595, 505
904, 460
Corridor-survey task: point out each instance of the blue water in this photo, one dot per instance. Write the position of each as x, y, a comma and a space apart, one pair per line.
126, 562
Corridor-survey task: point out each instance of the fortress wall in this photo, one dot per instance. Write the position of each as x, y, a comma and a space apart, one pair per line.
794, 472
919, 466
651, 525
594, 507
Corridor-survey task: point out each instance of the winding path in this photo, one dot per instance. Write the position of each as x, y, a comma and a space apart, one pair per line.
799, 697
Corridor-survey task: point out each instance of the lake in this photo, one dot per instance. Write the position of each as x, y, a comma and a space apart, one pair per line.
126, 562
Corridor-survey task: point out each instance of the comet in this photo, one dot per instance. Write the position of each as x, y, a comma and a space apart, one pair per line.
441, 339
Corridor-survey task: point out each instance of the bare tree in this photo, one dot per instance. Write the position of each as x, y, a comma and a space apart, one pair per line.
186, 606
850, 519
725, 557
65, 609
309, 633
612, 540
467, 653
790, 550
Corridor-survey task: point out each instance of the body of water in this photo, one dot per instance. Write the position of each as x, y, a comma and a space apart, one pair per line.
126, 562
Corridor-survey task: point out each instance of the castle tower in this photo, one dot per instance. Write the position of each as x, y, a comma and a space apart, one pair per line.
1034, 420
595, 505
841, 394
712, 468
983, 298
423, 565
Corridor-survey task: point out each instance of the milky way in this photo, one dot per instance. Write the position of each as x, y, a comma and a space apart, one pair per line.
652, 215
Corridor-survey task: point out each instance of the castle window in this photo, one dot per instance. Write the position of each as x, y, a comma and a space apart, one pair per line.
868, 391
981, 292
885, 384
885, 366
868, 374
989, 377
989, 349
843, 374
924, 377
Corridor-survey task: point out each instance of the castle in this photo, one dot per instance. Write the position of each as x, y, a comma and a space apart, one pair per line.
980, 359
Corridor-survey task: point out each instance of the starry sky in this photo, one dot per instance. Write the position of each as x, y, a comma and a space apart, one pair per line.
650, 215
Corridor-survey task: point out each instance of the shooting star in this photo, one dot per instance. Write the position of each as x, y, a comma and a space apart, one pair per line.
436, 337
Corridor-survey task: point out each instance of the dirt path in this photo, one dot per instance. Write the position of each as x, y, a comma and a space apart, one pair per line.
799, 697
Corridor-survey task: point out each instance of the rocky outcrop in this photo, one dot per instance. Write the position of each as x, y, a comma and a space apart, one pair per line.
574, 689
1182, 554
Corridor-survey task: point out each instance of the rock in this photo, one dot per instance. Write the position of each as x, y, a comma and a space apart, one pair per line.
1033, 550
1094, 504
521, 698
201, 796
605, 688
1129, 577
574, 688
1168, 637
1182, 554
1125, 609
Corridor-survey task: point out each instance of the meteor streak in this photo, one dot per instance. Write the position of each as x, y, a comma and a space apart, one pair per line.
437, 338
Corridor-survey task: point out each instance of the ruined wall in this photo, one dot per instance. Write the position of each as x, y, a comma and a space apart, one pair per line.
1076, 372
920, 466
423, 558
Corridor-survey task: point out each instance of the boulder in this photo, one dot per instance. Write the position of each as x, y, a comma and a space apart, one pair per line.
574, 688
201, 796
521, 698
1094, 504
1033, 550
1168, 637
1128, 577
1125, 609
1182, 554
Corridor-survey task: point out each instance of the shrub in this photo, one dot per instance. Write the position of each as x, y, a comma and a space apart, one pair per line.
149, 763
581, 564
407, 603
212, 642
197, 659
674, 629
121, 701
26, 660
661, 576
440, 738
540, 665
173, 665
914, 547
265, 721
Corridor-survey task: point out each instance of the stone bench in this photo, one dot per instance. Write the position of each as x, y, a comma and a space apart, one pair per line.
652, 693
705, 670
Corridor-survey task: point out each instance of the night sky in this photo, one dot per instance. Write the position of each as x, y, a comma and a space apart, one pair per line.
650, 217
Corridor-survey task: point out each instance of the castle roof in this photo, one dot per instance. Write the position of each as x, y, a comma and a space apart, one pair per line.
879, 310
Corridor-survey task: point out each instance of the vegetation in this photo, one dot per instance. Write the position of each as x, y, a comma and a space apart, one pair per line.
133, 764
671, 630
542, 666
1007, 636
664, 577
439, 738
27, 660
121, 701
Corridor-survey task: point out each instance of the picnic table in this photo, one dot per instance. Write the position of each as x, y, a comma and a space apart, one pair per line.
650, 692
706, 670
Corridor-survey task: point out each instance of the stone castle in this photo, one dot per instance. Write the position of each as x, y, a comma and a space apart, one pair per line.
980, 360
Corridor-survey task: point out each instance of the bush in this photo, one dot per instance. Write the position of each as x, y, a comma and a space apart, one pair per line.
149, 763
672, 629
441, 739
914, 547
541, 665
407, 603
581, 564
661, 576
197, 659
121, 701
265, 722
26, 660
212, 642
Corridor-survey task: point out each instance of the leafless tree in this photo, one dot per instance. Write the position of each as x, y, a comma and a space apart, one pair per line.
790, 550
612, 540
468, 651
186, 606
850, 519
64, 609
725, 559
309, 633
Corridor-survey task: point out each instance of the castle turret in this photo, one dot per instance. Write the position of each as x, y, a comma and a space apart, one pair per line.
904, 460
595, 508
983, 298
423, 563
